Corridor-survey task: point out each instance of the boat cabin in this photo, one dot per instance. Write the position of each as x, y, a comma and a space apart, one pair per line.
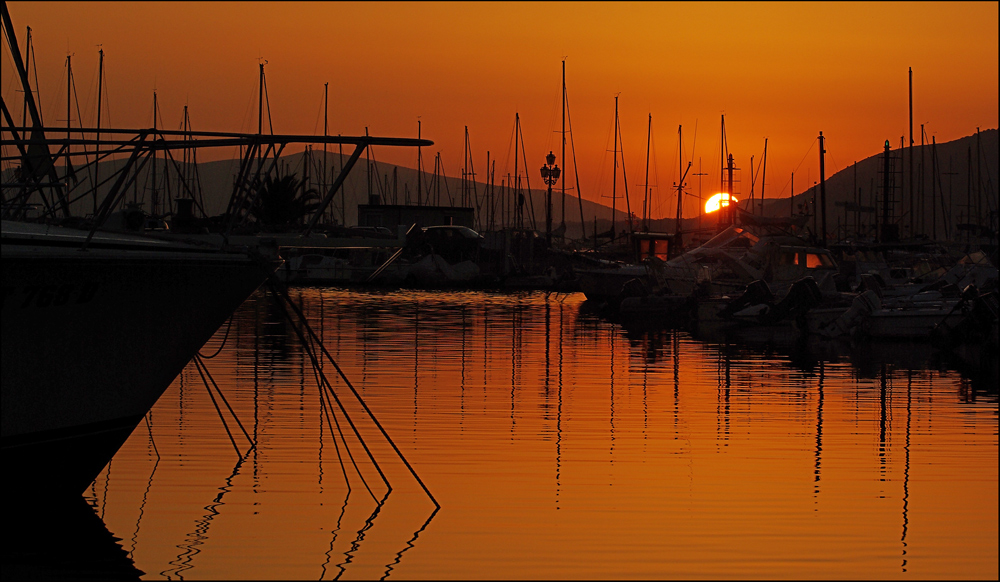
650, 244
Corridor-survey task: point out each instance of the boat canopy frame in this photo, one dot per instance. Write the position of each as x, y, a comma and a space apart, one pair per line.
260, 153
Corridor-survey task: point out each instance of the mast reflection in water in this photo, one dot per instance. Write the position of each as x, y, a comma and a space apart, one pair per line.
559, 445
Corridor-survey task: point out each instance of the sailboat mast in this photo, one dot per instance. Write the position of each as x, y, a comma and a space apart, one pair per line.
628, 204
97, 144
822, 187
518, 210
857, 203
731, 206
701, 199
30, 63
763, 175
722, 162
614, 175
191, 167
472, 196
680, 181
343, 192
368, 164
260, 114
260, 101
562, 223
921, 190
465, 169
419, 166
488, 194
979, 177
677, 241
885, 194
506, 196
645, 199
493, 201
69, 114
27, 65
934, 187
576, 172
36, 120
910, 151
186, 154
154, 200
306, 162
326, 129
434, 192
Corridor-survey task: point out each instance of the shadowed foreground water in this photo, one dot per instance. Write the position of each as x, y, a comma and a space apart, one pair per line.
559, 445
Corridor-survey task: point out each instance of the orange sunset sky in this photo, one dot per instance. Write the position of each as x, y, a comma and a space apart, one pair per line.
784, 71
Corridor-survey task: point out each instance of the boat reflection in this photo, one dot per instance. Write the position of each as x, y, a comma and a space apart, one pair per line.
867, 356
543, 428
63, 538
259, 349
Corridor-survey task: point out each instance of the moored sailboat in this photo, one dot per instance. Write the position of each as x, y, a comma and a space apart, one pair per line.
99, 316
92, 338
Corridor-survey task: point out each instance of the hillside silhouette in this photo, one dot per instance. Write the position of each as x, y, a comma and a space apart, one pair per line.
965, 190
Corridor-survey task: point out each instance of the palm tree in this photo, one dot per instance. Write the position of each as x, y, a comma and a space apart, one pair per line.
284, 202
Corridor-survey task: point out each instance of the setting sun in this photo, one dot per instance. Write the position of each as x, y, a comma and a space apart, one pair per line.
717, 201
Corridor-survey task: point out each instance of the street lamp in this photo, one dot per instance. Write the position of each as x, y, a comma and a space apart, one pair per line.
550, 174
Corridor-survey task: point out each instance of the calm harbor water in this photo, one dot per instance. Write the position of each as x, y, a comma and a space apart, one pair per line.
559, 445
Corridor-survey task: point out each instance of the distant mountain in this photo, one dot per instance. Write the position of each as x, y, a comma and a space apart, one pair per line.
392, 184
398, 184
961, 165
972, 156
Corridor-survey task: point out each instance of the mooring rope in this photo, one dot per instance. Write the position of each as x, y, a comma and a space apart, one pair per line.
326, 412
198, 360
223, 344
329, 413
285, 300
151, 441
217, 409
354, 391
276, 285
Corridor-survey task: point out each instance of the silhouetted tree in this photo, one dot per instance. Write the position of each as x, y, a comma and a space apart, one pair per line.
283, 202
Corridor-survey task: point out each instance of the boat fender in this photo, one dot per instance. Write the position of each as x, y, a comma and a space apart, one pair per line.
754, 312
871, 281
755, 293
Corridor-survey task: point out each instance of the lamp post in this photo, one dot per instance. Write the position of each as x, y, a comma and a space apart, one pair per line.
550, 174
